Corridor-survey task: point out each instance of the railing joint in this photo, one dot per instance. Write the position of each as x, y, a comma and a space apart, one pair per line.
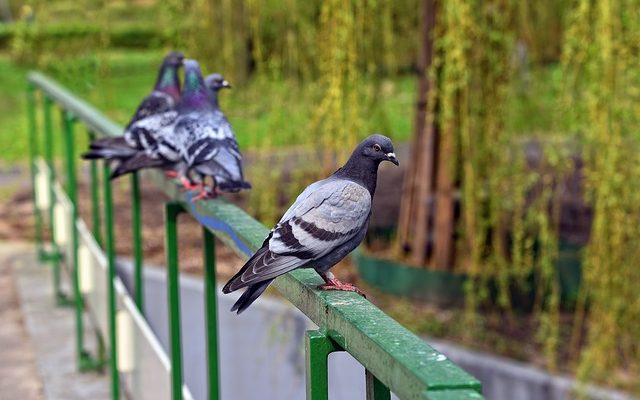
88, 363
64, 300
70, 117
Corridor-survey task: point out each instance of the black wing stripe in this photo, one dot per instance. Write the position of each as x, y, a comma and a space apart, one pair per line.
286, 236
322, 234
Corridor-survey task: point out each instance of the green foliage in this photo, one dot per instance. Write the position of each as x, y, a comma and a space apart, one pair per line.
13, 120
483, 105
601, 97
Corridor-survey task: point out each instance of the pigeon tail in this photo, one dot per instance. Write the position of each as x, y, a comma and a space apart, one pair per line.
109, 148
108, 154
250, 295
135, 163
236, 282
118, 141
225, 169
233, 186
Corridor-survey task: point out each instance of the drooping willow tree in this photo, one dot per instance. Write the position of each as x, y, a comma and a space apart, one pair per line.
507, 229
601, 65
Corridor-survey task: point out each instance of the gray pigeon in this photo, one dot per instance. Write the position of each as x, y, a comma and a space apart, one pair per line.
203, 138
137, 147
327, 221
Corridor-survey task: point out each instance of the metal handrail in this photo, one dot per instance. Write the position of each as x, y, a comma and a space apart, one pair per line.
393, 357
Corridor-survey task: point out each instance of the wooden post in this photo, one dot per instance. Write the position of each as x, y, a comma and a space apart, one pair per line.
413, 224
444, 204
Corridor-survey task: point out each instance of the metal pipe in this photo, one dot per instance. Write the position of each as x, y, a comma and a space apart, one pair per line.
136, 228
33, 153
211, 310
317, 347
71, 189
375, 390
172, 210
61, 298
95, 198
111, 274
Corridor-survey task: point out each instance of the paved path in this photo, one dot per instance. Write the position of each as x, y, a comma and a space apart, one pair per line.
19, 377
40, 336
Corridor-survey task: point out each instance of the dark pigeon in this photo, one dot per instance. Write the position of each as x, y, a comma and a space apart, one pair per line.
136, 149
203, 138
326, 222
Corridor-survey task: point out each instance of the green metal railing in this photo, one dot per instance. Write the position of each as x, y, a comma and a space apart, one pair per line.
394, 359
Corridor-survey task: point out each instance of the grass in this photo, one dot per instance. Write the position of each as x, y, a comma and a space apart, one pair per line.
262, 111
13, 138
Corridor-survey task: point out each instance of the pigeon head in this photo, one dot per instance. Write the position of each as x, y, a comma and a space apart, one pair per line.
168, 81
174, 59
215, 82
362, 166
377, 148
194, 93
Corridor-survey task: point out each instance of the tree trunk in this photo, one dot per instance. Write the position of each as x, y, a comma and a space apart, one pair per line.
413, 224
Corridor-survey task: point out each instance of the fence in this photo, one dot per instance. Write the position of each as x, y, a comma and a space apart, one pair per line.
395, 360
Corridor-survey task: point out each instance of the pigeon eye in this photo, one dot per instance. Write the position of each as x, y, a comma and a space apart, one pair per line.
377, 147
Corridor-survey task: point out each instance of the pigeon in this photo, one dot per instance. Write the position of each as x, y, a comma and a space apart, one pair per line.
327, 221
203, 138
214, 83
136, 149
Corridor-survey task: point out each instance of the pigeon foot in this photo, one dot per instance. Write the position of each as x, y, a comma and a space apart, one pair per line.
332, 283
188, 185
204, 194
171, 174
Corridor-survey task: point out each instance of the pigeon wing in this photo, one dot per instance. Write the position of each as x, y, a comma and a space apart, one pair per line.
331, 214
148, 133
155, 103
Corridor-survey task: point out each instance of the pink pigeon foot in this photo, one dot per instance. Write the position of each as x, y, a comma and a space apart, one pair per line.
188, 185
204, 194
332, 283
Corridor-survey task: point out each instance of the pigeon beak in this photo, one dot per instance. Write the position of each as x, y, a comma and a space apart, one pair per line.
392, 157
226, 84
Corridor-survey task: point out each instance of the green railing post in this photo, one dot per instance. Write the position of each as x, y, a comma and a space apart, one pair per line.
95, 197
211, 310
375, 389
69, 140
137, 241
33, 153
172, 210
318, 346
111, 274
61, 298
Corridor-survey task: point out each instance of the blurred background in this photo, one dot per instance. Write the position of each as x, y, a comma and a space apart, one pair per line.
512, 225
